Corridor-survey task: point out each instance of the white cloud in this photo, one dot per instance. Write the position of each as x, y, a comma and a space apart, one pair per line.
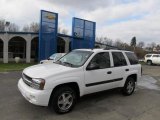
146, 27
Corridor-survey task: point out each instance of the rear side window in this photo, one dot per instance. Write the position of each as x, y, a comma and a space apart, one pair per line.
156, 55
132, 58
119, 59
148, 55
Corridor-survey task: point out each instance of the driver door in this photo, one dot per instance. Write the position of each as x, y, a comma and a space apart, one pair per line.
97, 79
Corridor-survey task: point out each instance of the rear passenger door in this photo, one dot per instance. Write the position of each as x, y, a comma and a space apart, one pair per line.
119, 68
158, 59
155, 59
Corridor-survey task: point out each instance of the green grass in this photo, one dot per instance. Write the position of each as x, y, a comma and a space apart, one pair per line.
20, 66
14, 66
142, 63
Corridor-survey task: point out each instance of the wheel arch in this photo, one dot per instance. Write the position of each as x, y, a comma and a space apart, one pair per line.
73, 85
134, 76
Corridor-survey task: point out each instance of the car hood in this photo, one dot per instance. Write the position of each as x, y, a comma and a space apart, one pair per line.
47, 61
46, 70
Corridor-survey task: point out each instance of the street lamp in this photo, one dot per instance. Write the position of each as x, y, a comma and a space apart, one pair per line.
6, 29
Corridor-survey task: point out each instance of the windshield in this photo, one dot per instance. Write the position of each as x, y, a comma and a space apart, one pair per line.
75, 58
56, 56
52, 56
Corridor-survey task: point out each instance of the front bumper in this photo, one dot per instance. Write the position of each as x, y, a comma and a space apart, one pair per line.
37, 97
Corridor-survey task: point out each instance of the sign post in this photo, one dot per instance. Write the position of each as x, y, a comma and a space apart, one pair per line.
48, 34
83, 32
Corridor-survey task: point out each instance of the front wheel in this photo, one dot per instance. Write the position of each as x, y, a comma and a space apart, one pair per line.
129, 87
63, 100
149, 62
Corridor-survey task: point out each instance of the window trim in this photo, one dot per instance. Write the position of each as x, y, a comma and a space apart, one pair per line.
124, 58
129, 60
100, 68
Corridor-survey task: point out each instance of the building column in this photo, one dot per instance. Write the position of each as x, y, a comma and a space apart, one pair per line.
5, 47
5, 51
67, 41
28, 51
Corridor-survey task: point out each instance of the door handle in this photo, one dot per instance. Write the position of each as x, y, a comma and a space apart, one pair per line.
109, 72
126, 69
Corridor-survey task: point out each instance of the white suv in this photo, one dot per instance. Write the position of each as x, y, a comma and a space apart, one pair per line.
152, 59
78, 73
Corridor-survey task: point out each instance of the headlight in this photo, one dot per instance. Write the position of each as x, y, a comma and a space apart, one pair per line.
38, 83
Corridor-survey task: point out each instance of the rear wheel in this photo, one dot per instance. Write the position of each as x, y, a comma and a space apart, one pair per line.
63, 100
129, 87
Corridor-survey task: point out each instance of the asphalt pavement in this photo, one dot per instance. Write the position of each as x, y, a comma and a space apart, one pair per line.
144, 104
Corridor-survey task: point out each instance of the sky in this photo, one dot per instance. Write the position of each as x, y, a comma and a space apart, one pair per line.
115, 19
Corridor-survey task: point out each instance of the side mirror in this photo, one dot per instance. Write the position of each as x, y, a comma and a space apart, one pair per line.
92, 66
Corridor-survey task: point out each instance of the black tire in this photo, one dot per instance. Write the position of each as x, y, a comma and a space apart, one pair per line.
129, 87
57, 95
149, 62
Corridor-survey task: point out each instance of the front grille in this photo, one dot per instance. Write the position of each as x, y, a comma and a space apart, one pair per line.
27, 79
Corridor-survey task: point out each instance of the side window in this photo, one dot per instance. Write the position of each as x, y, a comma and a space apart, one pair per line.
155, 55
119, 59
148, 55
132, 58
102, 60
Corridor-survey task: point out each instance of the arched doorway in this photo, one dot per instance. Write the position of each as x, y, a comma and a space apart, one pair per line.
1, 50
60, 45
34, 49
17, 48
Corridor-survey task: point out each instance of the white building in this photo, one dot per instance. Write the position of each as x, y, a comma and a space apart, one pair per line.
25, 45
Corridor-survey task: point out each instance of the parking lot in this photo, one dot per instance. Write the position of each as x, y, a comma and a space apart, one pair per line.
144, 104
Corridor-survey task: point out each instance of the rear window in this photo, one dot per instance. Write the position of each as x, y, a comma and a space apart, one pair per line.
119, 59
148, 55
132, 58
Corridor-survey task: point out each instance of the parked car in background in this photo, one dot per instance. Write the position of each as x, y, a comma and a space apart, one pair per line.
152, 59
53, 58
78, 73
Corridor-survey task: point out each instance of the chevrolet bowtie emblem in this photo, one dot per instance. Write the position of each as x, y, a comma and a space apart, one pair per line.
50, 17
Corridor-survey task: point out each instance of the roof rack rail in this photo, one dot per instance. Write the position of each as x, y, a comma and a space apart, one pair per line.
111, 48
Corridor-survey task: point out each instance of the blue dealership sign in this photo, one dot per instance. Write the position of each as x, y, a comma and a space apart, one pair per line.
83, 32
48, 34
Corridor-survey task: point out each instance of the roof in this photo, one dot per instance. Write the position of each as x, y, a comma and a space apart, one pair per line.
102, 50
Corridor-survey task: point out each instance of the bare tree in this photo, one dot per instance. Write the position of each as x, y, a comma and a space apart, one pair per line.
2, 24
99, 39
104, 40
34, 27
152, 45
118, 43
141, 44
26, 28
13, 27
108, 41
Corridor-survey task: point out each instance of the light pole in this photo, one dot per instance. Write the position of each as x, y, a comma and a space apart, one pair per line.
6, 29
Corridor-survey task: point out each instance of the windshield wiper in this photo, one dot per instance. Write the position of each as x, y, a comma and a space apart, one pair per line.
70, 64
65, 63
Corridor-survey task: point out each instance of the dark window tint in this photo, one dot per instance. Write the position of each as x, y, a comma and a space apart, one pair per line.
102, 60
132, 58
119, 59
156, 55
148, 55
